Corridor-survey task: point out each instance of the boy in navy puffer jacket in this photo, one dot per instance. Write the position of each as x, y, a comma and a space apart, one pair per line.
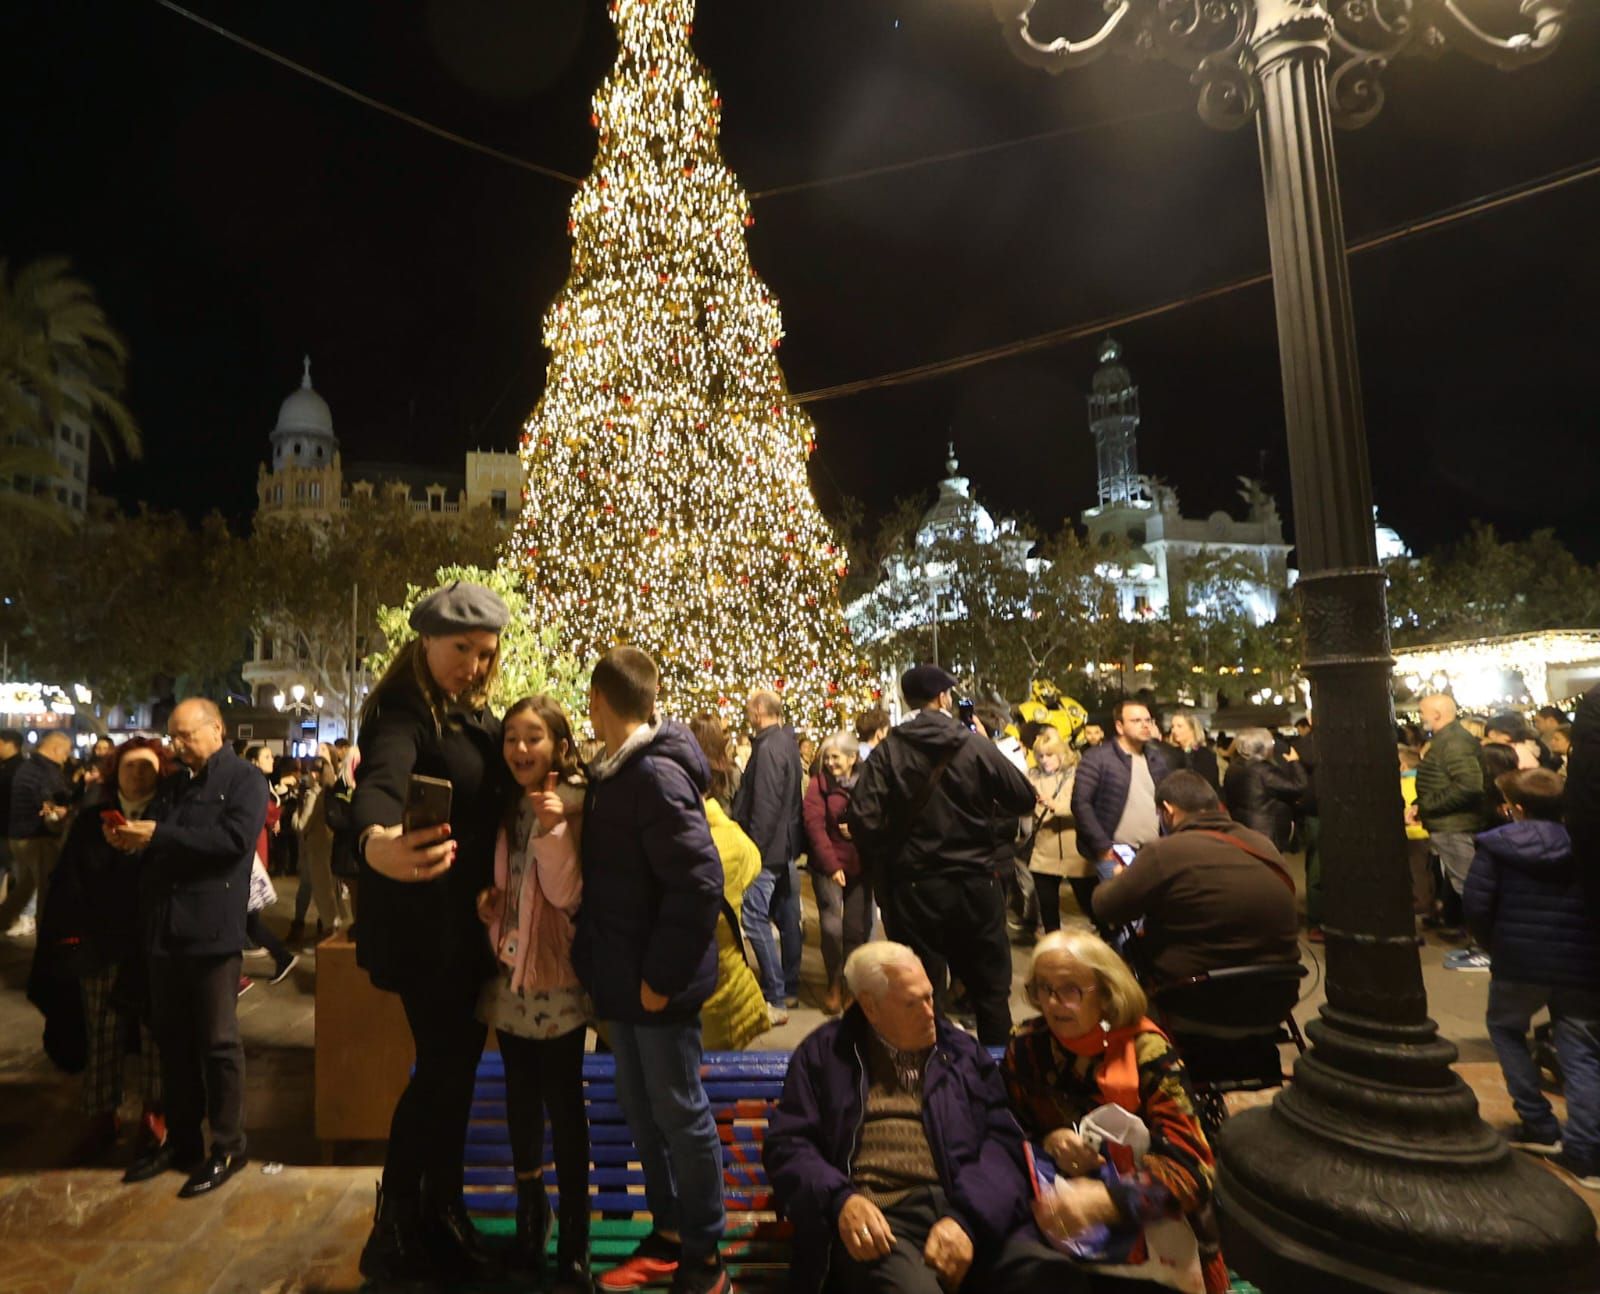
1524, 902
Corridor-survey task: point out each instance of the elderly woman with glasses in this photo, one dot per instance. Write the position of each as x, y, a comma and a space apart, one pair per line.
1092, 1046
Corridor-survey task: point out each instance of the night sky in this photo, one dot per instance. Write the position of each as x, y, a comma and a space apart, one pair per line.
232, 215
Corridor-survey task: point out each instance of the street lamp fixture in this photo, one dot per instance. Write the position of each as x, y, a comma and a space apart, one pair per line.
1372, 1171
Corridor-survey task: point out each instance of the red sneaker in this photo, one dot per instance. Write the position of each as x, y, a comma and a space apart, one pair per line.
653, 1262
245, 985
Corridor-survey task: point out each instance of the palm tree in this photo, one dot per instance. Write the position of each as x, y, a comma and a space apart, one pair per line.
59, 354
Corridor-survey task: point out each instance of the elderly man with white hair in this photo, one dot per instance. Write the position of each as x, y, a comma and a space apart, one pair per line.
895, 1154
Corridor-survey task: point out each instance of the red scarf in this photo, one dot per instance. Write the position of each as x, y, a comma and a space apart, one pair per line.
1119, 1068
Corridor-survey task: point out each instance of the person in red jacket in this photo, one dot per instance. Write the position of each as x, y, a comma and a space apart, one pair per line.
844, 898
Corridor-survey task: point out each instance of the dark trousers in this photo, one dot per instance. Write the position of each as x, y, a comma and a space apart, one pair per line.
1024, 1265
193, 1010
1048, 888
428, 1134
959, 919
545, 1075
845, 914
258, 933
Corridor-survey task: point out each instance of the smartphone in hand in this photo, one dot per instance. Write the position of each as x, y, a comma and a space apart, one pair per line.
113, 818
427, 802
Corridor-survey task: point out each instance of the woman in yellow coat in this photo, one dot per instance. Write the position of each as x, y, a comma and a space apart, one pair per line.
736, 1012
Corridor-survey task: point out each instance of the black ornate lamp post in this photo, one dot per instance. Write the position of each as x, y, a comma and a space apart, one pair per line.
1372, 1171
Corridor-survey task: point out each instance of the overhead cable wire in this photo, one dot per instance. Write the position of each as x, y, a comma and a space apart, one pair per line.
1075, 332
488, 150
961, 154
378, 104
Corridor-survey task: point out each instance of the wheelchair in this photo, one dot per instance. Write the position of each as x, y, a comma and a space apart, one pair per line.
1228, 1025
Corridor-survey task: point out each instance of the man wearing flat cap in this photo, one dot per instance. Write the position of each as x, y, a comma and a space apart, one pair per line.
924, 815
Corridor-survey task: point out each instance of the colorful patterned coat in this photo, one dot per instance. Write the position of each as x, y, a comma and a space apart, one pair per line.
1051, 1088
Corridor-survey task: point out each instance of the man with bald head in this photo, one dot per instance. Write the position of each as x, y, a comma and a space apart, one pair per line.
193, 889
1450, 799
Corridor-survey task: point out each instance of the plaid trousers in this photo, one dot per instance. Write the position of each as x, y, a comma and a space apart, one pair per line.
107, 1025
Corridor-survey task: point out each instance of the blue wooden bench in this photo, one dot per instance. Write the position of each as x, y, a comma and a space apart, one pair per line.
743, 1087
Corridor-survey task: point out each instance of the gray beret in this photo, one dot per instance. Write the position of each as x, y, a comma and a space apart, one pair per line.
460, 608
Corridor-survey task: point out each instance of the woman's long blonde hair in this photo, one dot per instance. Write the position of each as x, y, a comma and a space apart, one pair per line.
410, 667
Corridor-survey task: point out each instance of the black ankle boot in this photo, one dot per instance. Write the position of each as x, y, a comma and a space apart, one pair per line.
572, 1277
572, 1274
528, 1250
394, 1251
455, 1245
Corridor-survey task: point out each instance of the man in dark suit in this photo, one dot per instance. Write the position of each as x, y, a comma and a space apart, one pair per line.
194, 887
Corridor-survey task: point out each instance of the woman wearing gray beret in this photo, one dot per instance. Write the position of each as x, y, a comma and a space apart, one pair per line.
417, 931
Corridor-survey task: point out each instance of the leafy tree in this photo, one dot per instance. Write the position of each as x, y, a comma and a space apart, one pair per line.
316, 579
60, 354
531, 659
125, 600
1484, 586
1002, 621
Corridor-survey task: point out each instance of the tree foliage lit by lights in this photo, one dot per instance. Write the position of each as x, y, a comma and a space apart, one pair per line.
667, 503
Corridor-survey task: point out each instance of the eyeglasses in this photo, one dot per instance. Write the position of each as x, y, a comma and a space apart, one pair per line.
1065, 995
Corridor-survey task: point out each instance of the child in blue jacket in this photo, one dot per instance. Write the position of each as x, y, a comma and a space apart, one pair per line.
1524, 902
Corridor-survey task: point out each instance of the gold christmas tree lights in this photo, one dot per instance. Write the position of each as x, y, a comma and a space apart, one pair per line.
667, 502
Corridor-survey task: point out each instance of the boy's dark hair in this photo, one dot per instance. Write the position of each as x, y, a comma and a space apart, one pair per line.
1545, 712
1536, 791
1187, 791
628, 679
341, 743
868, 722
253, 753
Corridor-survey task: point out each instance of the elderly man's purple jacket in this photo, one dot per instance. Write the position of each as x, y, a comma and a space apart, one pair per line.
975, 1139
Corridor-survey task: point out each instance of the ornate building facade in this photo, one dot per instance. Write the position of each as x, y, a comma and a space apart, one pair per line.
305, 480
1162, 545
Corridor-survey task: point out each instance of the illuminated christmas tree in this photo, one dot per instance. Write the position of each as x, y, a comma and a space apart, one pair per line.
667, 503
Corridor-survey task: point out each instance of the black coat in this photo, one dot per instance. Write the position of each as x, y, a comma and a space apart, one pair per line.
767, 803
409, 934
958, 827
1262, 795
194, 884
37, 782
1582, 800
652, 882
93, 901
8, 773
1201, 760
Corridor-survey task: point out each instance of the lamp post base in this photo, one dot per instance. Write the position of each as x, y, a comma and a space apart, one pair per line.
1351, 1183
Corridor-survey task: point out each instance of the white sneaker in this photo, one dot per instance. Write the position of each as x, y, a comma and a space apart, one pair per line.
23, 927
777, 1015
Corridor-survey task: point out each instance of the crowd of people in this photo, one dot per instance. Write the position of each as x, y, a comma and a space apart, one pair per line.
646, 887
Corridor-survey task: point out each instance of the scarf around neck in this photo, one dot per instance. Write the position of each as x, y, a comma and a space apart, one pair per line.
1118, 1074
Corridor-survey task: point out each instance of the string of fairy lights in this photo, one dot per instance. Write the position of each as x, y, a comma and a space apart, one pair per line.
667, 502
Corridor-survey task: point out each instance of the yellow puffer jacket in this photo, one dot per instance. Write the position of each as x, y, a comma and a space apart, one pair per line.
736, 1012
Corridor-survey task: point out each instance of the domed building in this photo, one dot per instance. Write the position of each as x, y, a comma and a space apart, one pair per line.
303, 473
306, 481
305, 477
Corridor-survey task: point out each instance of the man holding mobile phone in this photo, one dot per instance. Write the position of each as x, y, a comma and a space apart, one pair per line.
193, 889
1114, 792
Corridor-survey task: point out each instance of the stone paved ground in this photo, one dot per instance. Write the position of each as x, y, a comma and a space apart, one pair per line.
78, 1230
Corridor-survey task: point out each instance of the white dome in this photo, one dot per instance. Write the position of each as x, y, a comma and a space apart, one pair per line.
305, 410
